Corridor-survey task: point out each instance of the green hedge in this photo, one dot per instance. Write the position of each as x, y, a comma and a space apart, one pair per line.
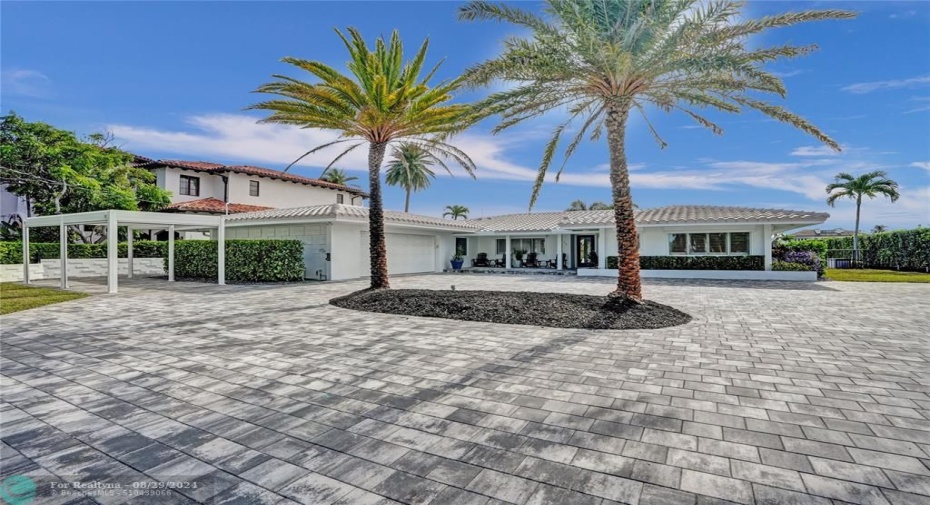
784, 246
246, 260
11, 253
903, 249
787, 266
696, 262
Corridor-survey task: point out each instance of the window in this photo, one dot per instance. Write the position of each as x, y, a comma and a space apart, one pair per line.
461, 246
536, 245
708, 243
739, 243
501, 246
253, 188
340, 198
190, 185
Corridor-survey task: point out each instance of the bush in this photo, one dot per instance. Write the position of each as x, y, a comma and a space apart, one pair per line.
807, 252
903, 249
12, 252
807, 259
785, 266
696, 262
246, 260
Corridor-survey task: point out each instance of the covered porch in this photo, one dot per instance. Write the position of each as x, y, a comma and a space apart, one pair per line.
554, 250
112, 220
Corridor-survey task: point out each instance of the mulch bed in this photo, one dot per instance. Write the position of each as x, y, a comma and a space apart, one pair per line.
557, 310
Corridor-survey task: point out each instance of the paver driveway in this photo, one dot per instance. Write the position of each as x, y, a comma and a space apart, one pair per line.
775, 393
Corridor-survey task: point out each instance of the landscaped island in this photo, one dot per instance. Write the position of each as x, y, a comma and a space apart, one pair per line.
557, 310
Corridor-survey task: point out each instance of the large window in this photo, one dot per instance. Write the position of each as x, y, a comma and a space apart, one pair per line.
536, 245
253, 188
461, 246
708, 243
190, 185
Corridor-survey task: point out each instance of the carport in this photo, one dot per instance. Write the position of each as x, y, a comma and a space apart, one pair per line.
132, 220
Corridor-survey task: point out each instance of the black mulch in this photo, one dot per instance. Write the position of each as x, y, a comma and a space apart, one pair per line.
557, 310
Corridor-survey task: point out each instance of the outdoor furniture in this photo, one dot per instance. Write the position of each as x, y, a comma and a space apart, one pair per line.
532, 260
501, 263
481, 260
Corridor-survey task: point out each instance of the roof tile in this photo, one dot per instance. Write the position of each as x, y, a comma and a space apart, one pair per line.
212, 206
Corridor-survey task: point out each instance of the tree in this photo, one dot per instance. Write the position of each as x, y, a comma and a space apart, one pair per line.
55, 172
337, 176
409, 169
601, 60
581, 205
382, 100
456, 211
871, 184
879, 228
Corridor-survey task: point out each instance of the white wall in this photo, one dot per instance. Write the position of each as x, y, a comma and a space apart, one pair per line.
654, 240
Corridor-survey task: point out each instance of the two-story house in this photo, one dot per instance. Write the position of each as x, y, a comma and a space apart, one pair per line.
214, 188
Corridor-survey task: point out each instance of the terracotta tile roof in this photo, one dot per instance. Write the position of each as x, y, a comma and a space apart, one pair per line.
351, 213
212, 206
218, 168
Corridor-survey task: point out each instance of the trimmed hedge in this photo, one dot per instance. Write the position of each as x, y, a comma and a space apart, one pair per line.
246, 260
787, 266
903, 249
696, 262
11, 253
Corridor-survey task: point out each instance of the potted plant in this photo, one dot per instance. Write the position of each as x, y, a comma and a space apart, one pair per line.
518, 255
458, 259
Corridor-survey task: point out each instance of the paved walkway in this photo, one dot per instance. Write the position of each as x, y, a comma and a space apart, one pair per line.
775, 393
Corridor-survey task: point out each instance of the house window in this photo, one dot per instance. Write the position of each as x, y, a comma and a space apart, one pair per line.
461, 246
698, 243
253, 188
739, 243
708, 243
190, 185
717, 243
501, 246
340, 198
536, 245
678, 243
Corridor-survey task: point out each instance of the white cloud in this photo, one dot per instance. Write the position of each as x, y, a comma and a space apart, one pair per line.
814, 151
868, 87
24, 82
790, 73
921, 164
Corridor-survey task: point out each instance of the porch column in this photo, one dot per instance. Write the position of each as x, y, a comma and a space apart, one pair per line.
507, 252
767, 244
129, 250
171, 253
112, 253
25, 254
221, 252
602, 249
63, 254
558, 252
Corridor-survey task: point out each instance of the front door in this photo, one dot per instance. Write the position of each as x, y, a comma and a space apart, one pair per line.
585, 251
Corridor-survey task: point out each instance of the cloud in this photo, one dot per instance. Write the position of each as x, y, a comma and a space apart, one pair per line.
921, 164
790, 73
24, 82
868, 87
814, 151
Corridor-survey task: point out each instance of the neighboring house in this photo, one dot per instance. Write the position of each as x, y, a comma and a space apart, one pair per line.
335, 237
838, 232
214, 188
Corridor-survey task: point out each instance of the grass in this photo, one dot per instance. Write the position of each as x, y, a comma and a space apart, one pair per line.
15, 297
867, 275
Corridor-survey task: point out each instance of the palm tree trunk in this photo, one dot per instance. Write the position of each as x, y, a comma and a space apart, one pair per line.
856, 231
629, 284
377, 242
407, 201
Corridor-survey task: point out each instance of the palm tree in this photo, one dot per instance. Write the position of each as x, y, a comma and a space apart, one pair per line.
409, 169
456, 211
879, 228
381, 100
337, 176
601, 60
871, 185
581, 205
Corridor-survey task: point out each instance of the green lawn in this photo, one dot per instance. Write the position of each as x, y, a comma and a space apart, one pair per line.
15, 297
866, 275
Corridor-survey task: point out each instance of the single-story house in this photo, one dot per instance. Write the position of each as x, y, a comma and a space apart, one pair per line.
335, 238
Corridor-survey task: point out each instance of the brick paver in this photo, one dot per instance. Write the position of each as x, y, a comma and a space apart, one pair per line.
775, 393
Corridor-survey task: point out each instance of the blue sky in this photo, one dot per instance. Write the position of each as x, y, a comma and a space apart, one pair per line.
171, 79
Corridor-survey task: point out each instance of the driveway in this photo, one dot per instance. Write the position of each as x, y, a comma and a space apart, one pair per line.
776, 393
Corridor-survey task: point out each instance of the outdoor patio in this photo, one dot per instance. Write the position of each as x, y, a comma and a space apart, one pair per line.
777, 392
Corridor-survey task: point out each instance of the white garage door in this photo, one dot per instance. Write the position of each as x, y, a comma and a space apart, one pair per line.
408, 254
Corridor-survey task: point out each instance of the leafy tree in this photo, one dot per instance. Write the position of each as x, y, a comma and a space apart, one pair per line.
879, 228
456, 211
337, 176
871, 184
382, 100
55, 172
409, 169
581, 205
603, 60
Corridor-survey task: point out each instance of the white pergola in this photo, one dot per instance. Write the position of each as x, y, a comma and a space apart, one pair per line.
133, 220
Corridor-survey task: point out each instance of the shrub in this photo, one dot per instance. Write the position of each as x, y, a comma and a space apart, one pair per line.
11, 253
809, 252
784, 266
246, 260
807, 259
696, 262
902, 249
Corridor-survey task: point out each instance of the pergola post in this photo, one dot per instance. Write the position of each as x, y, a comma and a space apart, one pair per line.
112, 253
602, 249
129, 250
558, 252
507, 252
171, 253
63, 233
25, 253
221, 253
767, 245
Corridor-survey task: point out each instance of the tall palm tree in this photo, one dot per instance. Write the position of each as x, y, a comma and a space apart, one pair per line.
456, 211
602, 60
879, 228
581, 205
871, 185
337, 176
381, 100
409, 169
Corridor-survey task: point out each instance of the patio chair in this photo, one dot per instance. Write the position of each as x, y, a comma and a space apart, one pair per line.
532, 260
501, 263
481, 260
